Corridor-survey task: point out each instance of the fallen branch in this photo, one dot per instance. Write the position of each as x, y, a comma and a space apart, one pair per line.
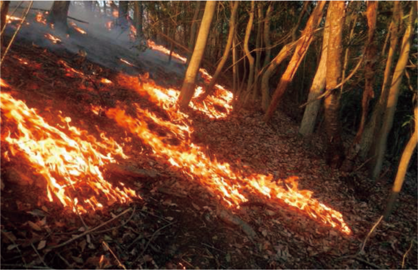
368, 235
91, 230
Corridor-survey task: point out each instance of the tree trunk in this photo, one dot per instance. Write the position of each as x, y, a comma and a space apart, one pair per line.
300, 51
231, 35
235, 82
307, 125
403, 166
138, 16
188, 87
58, 14
335, 148
259, 45
247, 48
4, 8
370, 65
394, 93
295, 29
123, 13
368, 142
267, 34
193, 30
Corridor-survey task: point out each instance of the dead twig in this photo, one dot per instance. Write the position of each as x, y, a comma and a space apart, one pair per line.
39, 255
368, 235
18, 249
152, 238
406, 253
23, 265
119, 263
126, 222
91, 230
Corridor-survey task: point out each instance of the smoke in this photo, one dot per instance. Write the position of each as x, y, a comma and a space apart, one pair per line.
100, 44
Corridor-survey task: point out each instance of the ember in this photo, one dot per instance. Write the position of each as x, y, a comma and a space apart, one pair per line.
127, 62
164, 50
70, 159
40, 18
10, 19
78, 29
52, 38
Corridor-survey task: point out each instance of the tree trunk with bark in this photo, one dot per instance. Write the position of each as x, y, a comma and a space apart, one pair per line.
368, 142
231, 35
193, 30
300, 51
247, 48
58, 14
138, 17
4, 8
307, 125
266, 33
394, 93
335, 148
188, 87
123, 13
403, 165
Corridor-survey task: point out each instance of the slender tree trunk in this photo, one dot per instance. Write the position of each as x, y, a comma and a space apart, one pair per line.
58, 14
247, 48
368, 142
403, 166
231, 35
335, 148
187, 90
138, 15
394, 93
300, 51
259, 45
123, 13
295, 29
267, 34
4, 8
193, 30
311, 112
234, 67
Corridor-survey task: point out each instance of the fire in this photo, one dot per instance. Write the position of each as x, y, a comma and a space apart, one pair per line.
10, 19
164, 50
78, 29
109, 25
106, 81
190, 159
71, 160
115, 13
40, 18
52, 38
126, 62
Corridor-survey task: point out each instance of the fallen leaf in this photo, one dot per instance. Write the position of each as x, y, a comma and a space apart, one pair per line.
41, 244
34, 226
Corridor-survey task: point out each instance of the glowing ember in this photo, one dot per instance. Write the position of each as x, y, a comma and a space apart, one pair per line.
71, 164
126, 62
109, 25
190, 159
106, 81
78, 29
115, 13
164, 50
10, 19
52, 38
40, 18
70, 71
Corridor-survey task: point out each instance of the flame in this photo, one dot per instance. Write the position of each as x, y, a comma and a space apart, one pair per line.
190, 159
10, 19
40, 18
115, 13
52, 38
106, 81
70, 71
71, 161
109, 25
164, 50
126, 62
78, 29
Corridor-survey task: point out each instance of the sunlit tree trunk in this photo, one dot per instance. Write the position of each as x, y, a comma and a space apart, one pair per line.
231, 35
234, 67
368, 142
300, 51
394, 93
266, 33
335, 148
138, 16
403, 165
318, 85
4, 8
295, 29
247, 48
259, 45
193, 30
188, 87
58, 14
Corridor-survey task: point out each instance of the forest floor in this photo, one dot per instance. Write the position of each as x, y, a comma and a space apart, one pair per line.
178, 222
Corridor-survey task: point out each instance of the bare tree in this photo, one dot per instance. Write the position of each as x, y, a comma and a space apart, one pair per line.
188, 87
58, 14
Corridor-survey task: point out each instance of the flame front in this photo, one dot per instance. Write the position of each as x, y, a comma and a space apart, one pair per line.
190, 159
71, 164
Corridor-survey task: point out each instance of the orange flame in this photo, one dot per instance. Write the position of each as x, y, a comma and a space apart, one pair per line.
78, 29
10, 19
109, 25
71, 164
190, 159
40, 18
164, 50
126, 62
52, 38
